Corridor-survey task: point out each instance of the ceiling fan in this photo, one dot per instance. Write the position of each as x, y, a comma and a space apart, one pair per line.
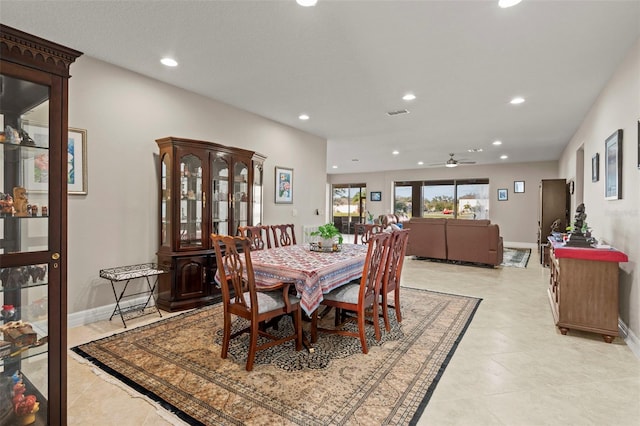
452, 162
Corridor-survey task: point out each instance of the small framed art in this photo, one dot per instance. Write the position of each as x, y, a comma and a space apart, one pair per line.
595, 168
503, 194
518, 187
376, 196
284, 185
613, 166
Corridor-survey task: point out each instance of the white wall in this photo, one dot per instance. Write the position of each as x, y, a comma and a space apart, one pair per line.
615, 222
124, 113
517, 217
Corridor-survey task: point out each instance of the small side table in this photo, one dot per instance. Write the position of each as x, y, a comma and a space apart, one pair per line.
126, 274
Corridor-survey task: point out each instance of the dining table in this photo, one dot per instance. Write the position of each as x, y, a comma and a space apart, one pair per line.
314, 273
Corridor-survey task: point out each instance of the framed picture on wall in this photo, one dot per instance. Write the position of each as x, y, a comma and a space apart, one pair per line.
37, 167
284, 185
595, 168
376, 196
613, 166
518, 187
503, 194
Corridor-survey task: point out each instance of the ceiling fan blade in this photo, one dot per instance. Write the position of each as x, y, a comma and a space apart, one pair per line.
466, 162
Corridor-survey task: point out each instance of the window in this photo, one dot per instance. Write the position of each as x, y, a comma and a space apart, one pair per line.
403, 202
461, 199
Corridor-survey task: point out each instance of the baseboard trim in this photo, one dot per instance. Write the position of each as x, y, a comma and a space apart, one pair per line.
99, 313
629, 338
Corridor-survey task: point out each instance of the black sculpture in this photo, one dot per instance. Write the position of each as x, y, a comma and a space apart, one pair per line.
577, 237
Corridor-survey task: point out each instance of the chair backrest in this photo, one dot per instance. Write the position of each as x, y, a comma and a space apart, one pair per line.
258, 236
374, 267
235, 271
283, 235
396, 260
365, 231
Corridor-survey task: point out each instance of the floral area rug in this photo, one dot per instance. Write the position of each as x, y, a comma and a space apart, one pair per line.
516, 257
177, 362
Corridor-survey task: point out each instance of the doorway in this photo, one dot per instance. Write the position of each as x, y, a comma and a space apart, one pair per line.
349, 205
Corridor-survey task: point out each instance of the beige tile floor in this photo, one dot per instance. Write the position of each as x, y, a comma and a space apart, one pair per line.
512, 367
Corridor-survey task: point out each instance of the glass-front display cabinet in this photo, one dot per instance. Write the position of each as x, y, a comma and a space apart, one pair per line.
205, 188
34, 77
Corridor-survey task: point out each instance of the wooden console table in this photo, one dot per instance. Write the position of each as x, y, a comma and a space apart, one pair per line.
583, 288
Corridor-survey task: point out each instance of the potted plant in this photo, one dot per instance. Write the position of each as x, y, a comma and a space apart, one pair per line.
328, 233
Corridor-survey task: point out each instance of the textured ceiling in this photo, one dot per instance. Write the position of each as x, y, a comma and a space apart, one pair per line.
347, 63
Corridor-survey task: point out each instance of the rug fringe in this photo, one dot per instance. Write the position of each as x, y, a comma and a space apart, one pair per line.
159, 409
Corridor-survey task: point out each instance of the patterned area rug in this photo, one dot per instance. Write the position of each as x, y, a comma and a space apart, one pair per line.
177, 362
516, 257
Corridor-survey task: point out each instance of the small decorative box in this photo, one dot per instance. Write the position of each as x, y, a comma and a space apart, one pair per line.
20, 336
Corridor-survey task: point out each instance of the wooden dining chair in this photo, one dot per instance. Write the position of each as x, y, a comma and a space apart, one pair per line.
241, 298
365, 231
357, 297
257, 235
283, 235
391, 279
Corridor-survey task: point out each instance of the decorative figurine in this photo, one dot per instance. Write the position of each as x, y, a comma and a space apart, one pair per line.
8, 311
577, 237
20, 201
45, 211
6, 204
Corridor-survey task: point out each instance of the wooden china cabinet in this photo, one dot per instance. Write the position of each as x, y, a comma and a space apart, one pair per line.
33, 244
205, 188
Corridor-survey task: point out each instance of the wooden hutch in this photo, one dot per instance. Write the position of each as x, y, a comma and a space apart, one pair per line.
205, 188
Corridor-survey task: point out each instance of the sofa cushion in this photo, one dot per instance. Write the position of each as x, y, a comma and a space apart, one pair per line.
427, 237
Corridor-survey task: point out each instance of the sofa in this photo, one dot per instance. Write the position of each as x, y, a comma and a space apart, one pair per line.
388, 219
459, 240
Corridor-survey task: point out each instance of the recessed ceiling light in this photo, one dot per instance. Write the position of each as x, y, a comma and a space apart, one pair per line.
496, 143
169, 62
307, 3
508, 3
303, 116
409, 97
420, 163
517, 100
504, 157
334, 167
396, 152
474, 150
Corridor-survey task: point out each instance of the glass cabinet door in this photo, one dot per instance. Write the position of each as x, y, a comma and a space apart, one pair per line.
166, 218
220, 195
26, 182
256, 208
191, 202
241, 195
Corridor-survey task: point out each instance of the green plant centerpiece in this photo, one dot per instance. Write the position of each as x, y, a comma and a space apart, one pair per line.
329, 235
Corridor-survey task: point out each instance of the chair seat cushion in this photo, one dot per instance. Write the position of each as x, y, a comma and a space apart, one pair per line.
347, 293
270, 300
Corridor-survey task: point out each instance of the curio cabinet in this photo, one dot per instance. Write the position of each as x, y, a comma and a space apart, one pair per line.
205, 188
33, 228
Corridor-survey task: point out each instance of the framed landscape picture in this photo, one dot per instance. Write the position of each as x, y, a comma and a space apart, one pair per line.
376, 196
503, 194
